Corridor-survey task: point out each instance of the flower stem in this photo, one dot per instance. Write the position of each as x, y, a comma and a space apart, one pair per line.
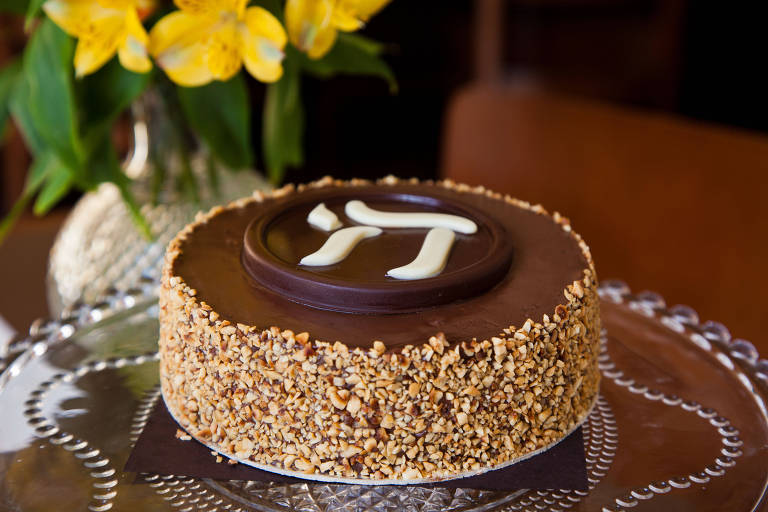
182, 141
13, 215
213, 174
188, 179
159, 173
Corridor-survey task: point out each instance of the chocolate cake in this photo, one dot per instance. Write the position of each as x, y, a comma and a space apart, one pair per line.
388, 332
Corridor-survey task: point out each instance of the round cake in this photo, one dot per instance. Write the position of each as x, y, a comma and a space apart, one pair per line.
388, 332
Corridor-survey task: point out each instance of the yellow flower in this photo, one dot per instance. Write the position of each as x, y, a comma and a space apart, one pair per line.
313, 24
103, 28
211, 39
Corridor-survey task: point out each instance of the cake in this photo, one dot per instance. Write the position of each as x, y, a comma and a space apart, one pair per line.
388, 332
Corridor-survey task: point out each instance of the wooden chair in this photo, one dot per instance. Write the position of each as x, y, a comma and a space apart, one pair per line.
665, 203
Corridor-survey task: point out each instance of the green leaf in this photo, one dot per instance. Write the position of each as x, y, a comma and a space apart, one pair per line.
33, 8
103, 164
48, 72
134, 210
106, 94
35, 177
351, 55
213, 176
58, 181
40, 169
220, 113
283, 123
20, 110
105, 167
366, 44
16, 210
8, 78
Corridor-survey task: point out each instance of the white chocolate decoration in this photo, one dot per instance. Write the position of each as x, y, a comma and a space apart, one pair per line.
339, 245
431, 259
359, 212
323, 218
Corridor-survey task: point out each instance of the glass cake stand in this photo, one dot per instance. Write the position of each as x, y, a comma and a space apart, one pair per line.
681, 423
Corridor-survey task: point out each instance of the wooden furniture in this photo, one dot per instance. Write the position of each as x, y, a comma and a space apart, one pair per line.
23, 265
666, 204
14, 158
623, 50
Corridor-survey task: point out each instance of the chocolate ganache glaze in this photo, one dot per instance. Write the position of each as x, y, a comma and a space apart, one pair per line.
243, 262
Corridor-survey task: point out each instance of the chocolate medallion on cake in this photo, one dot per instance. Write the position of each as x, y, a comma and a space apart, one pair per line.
371, 263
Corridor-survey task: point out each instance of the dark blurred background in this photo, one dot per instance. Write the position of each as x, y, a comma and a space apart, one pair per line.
642, 120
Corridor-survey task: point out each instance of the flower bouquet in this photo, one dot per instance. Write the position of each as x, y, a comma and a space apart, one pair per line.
88, 61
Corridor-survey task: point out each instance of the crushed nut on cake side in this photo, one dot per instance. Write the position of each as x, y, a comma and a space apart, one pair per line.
285, 400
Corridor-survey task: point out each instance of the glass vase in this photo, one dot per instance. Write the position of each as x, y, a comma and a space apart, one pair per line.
173, 177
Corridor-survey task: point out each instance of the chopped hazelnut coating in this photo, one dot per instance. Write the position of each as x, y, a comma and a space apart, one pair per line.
433, 410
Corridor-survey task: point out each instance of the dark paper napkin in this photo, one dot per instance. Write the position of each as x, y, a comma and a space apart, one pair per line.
159, 451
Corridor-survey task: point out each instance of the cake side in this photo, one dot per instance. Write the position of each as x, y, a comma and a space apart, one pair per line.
284, 400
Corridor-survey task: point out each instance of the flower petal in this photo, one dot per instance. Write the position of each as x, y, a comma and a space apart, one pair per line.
224, 55
351, 15
93, 52
346, 20
133, 50
80, 18
133, 55
263, 70
134, 27
187, 66
238, 6
261, 23
306, 20
263, 40
117, 4
177, 29
145, 8
205, 7
177, 43
362, 9
323, 43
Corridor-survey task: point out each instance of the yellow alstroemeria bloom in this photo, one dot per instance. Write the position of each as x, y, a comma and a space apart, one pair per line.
211, 39
313, 24
103, 28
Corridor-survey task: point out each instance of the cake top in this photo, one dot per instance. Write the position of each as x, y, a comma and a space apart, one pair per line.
265, 261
